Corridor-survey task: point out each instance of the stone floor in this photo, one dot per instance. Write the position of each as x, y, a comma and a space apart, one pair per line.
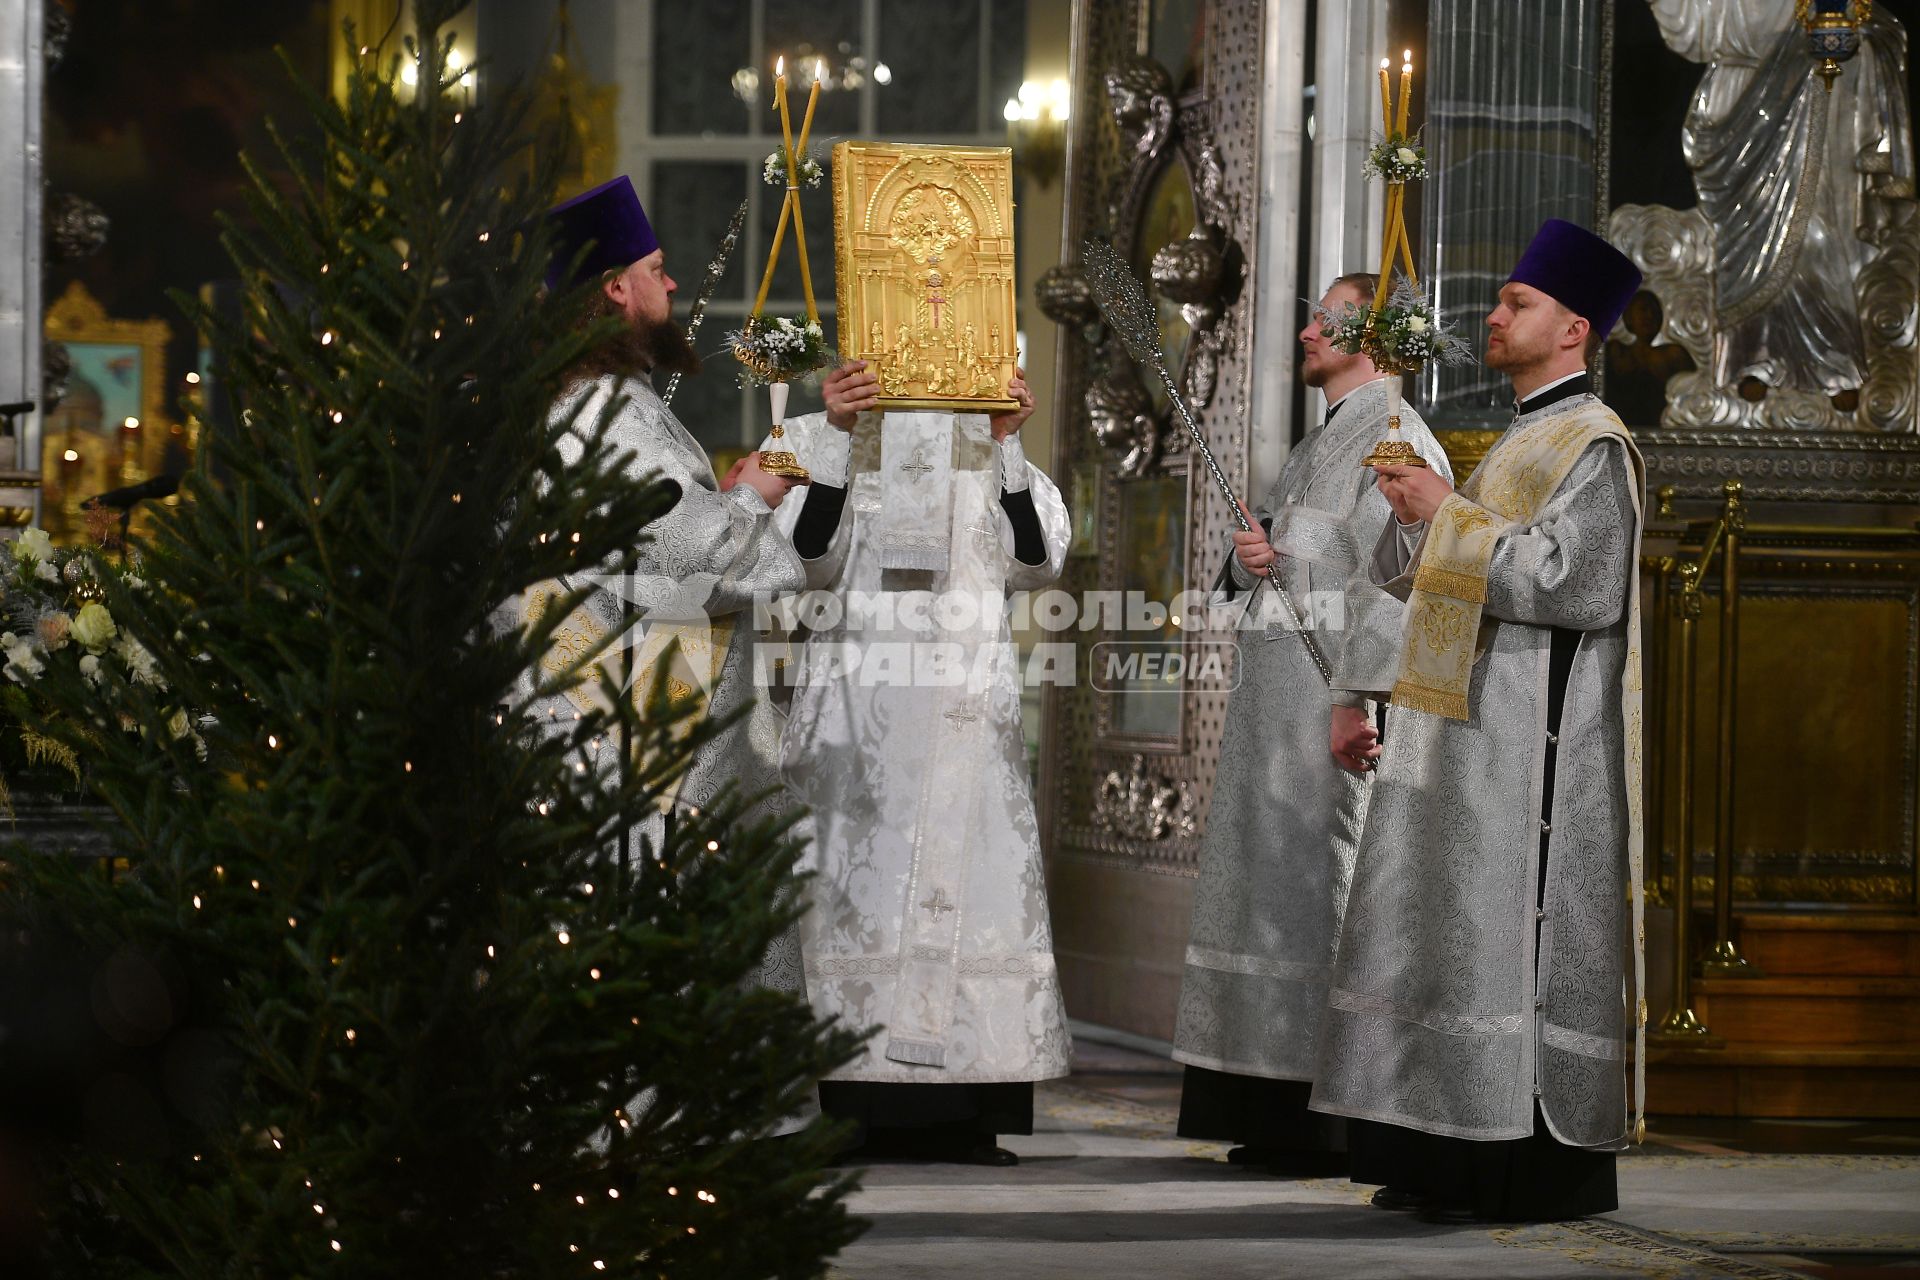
1104, 1189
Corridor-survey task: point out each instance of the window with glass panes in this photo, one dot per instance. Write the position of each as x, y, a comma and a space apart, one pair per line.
902, 70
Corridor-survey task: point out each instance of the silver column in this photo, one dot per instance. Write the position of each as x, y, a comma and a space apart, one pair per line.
22, 72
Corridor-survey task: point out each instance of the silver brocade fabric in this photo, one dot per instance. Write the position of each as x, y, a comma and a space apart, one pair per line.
729, 543
942, 930
1798, 183
1435, 1018
1285, 820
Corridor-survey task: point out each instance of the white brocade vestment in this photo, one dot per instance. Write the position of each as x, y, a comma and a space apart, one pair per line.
1463, 987
1279, 845
714, 552
928, 916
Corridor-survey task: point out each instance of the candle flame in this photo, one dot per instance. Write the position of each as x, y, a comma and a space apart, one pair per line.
819, 68
1385, 63
780, 65
1406, 56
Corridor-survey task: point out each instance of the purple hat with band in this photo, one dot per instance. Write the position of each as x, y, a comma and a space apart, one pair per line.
610, 218
1580, 271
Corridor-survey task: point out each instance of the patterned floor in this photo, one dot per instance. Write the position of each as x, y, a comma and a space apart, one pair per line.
1105, 1190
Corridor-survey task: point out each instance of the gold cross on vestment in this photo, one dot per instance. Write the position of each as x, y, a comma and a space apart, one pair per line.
960, 718
939, 904
917, 465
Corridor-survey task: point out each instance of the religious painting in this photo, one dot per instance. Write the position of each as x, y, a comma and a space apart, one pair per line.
108, 430
1152, 555
923, 251
1167, 217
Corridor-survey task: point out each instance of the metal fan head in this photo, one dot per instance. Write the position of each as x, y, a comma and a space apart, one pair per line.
1123, 300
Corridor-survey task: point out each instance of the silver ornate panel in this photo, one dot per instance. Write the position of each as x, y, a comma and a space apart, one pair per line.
1110, 795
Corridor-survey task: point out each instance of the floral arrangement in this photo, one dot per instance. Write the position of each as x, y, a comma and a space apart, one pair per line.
1399, 337
53, 611
1397, 160
810, 171
780, 350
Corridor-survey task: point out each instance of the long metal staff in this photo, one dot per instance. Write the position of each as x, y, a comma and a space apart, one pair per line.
722, 255
1130, 314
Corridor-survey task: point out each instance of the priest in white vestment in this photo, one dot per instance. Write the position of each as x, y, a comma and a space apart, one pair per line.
928, 911
703, 565
1281, 834
1487, 992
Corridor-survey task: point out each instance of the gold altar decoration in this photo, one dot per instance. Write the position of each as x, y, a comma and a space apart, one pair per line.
923, 246
111, 428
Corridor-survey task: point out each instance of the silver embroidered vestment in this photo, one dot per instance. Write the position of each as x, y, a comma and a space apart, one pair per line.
929, 914
1441, 1016
715, 553
1280, 837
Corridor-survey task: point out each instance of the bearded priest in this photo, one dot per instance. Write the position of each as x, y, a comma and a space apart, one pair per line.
700, 567
1281, 836
1488, 986
928, 917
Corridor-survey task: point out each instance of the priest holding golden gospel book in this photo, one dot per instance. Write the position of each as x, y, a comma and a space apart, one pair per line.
928, 915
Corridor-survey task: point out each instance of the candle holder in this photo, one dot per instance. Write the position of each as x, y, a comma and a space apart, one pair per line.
781, 462
1394, 451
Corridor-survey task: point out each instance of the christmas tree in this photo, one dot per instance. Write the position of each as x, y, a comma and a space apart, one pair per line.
384, 997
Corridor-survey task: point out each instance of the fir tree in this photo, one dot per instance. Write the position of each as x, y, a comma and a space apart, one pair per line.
412, 1013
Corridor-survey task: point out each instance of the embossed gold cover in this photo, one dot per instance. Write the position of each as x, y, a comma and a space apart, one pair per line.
923, 251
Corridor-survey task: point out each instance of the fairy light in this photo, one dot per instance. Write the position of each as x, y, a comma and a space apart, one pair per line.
196, 902
673, 1191
613, 1193
587, 889
565, 937
255, 884
292, 923
352, 1035
193, 379
579, 1199
409, 766
713, 846
490, 956
274, 743
594, 974
338, 417
319, 1208
259, 526
484, 235
335, 1244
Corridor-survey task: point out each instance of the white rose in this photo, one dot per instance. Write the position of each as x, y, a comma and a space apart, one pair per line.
46, 572
1416, 325
34, 544
93, 626
90, 670
178, 724
1409, 156
23, 664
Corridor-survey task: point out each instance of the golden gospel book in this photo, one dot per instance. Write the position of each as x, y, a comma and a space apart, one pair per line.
923, 256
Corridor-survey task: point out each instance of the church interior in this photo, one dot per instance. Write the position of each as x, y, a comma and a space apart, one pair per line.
1766, 370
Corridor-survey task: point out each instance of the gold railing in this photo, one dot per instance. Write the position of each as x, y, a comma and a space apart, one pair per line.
1678, 601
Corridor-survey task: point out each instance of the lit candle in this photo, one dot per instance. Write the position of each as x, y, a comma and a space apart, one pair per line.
780, 229
793, 181
1386, 100
1406, 92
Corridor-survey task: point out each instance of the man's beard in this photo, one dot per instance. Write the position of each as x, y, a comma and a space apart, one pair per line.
637, 350
1514, 359
649, 347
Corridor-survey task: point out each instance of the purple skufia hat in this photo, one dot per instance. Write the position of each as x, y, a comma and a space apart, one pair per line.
610, 217
1580, 271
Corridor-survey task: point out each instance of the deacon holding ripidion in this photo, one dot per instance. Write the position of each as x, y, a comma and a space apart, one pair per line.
1281, 836
1487, 989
